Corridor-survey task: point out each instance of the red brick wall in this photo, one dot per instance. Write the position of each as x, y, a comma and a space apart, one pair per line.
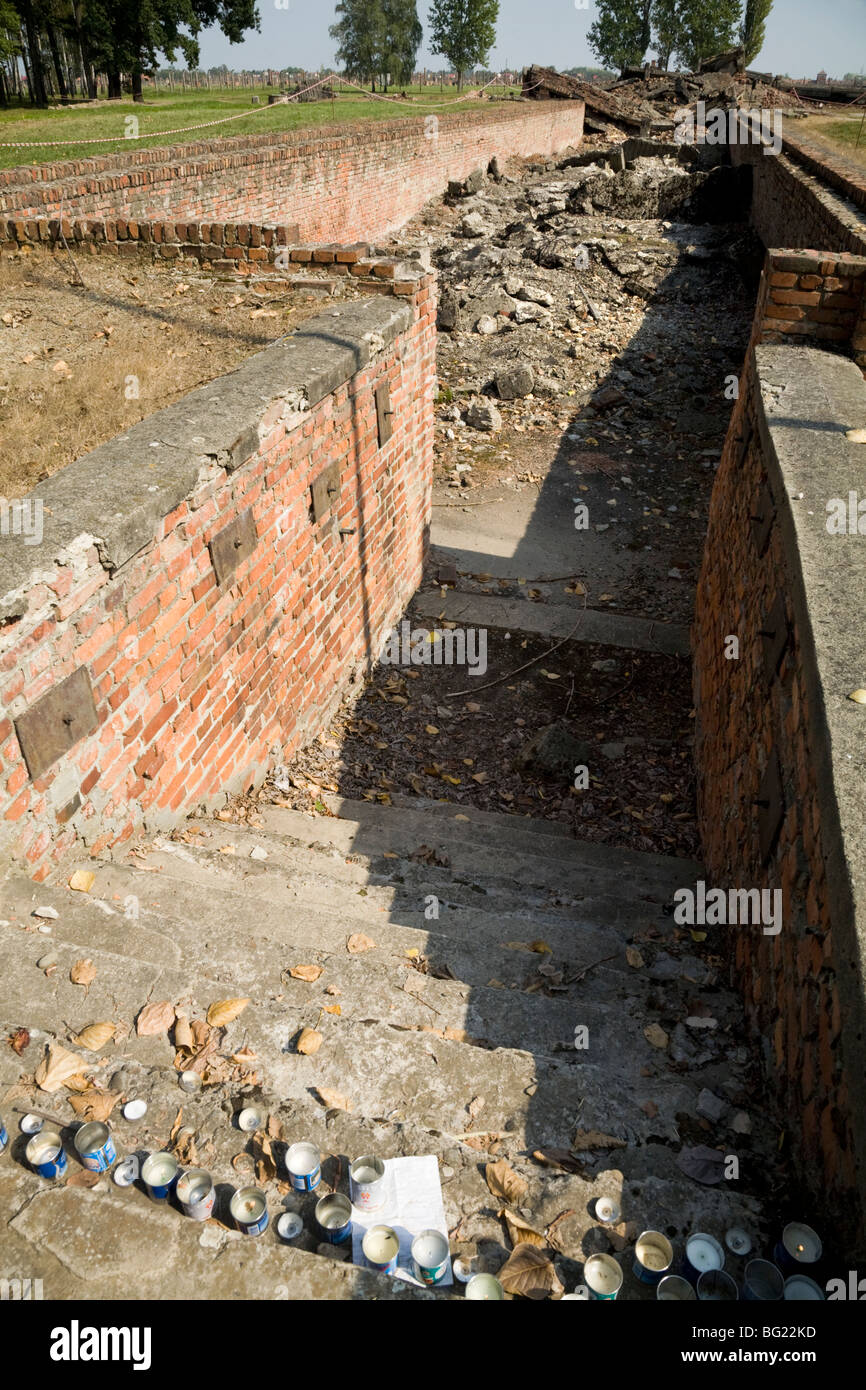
805, 196
195, 684
794, 983
344, 183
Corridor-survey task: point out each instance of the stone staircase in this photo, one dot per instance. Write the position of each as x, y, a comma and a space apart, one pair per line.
495, 939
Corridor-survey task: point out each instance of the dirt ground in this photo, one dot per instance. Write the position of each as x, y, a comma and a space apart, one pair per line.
425, 731
81, 363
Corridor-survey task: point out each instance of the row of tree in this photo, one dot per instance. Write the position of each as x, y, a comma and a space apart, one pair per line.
378, 40
64, 44
691, 30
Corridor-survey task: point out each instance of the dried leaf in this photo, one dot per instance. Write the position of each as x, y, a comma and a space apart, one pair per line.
656, 1036
95, 1104
504, 1182
83, 879
705, 1165
79, 1082
520, 1232
155, 1019
634, 958
309, 973
594, 1139
95, 1036
56, 1066
358, 943
558, 1158
200, 1032
332, 1009
332, 1099
83, 972
309, 1041
266, 1164
83, 1178
530, 1273
183, 1038
19, 1040
225, 1011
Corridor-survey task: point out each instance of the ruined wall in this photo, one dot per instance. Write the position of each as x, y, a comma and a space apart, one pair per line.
341, 183
208, 611
804, 197
779, 748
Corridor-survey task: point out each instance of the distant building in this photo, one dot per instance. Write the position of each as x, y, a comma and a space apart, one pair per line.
822, 76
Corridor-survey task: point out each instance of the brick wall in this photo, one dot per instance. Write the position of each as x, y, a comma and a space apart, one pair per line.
804, 196
198, 683
813, 297
343, 183
773, 577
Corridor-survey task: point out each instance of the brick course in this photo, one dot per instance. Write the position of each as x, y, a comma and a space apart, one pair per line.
196, 685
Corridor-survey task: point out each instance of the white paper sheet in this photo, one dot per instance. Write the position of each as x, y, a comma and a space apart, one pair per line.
413, 1203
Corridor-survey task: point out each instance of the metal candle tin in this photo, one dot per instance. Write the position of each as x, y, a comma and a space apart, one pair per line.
484, 1286
367, 1176
799, 1246
703, 1253
674, 1289
653, 1257
715, 1286
159, 1173
95, 1146
334, 1217
249, 1209
47, 1155
602, 1276
303, 1163
763, 1282
196, 1193
381, 1247
430, 1256
801, 1289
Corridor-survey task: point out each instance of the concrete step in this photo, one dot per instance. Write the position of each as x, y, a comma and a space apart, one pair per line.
450, 1050
362, 828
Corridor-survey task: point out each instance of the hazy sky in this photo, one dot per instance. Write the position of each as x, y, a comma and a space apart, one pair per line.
802, 36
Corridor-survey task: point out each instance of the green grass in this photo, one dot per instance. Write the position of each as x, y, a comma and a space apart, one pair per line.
164, 111
841, 135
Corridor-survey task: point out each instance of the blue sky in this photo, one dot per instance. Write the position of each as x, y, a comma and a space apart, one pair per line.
802, 36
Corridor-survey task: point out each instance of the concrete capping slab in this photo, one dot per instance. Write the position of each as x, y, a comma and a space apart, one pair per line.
806, 401
120, 492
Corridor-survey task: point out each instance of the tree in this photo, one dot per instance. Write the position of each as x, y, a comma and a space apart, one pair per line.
360, 33
464, 31
621, 34
666, 30
707, 27
752, 29
402, 35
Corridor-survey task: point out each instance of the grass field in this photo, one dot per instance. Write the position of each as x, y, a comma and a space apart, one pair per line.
166, 112
839, 133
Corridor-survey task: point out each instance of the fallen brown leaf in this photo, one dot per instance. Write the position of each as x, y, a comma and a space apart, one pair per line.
309, 1041
56, 1066
95, 1036
529, 1272
155, 1019
309, 973
225, 1011
358, 943
83, 972
504, 1182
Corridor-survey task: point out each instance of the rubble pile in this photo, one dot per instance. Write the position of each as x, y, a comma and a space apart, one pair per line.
649, 98
549, 287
